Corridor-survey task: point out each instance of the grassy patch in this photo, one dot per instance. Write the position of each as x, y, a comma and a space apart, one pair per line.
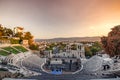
3, 53
20, 48
10, 49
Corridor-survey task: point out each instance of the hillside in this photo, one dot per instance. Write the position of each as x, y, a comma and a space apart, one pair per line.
71, 39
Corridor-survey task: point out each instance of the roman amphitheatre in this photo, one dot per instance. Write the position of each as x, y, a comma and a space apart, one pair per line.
66, 60
22, 60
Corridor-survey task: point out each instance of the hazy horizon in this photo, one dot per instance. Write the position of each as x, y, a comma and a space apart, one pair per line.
68, 37
47, 19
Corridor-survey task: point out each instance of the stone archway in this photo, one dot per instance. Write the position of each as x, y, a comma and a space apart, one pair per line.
106, 67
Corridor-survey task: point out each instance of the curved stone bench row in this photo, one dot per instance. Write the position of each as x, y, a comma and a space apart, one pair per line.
14, 58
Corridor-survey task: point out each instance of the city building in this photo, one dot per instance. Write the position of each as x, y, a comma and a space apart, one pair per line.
68, 60
78, 51
18, 29
25, 43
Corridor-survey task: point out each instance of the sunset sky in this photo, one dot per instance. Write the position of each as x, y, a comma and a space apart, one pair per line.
61, 18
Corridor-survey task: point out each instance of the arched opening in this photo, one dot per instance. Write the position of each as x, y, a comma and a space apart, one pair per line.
106, 67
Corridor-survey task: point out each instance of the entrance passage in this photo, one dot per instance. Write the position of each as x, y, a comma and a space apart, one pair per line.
56, 71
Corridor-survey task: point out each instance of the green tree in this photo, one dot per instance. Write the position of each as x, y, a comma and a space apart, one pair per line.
111, 43
94, 50
28, 36
61, 45
19, 34
1, 31
7, 32
52, 45
88, 52
74, 47
97, 46
34, 47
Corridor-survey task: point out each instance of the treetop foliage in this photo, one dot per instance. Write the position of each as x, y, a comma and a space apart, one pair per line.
111, 43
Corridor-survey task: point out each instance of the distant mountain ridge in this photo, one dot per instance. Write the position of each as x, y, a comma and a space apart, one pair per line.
92, 39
